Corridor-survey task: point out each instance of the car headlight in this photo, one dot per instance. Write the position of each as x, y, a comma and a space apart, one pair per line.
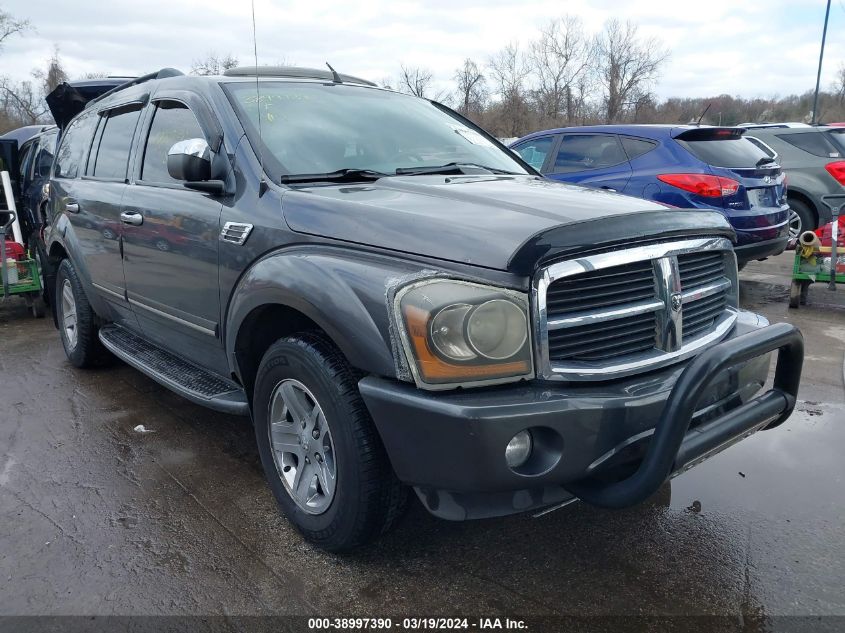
460, 333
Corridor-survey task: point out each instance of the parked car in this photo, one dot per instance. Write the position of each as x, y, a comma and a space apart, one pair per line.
766, 126
35, 148
682, 166
814, 158
399, 302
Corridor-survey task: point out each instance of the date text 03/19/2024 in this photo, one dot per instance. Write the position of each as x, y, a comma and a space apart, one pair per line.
416, 624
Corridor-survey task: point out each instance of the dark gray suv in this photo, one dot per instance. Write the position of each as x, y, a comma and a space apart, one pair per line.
814, 161
398, 302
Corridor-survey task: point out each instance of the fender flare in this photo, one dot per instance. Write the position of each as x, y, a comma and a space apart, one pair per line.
344, 293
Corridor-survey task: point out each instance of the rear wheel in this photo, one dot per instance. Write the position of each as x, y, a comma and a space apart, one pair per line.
795, 294
319, 448
77, 321
801, 218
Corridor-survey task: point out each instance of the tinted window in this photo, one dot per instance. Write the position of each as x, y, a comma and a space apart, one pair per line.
44, 156
813, 142
579, 152
838, 137
765, 148
25, 159
534, 151
172, 122
75, 141
113, 149
635, 147
726, 152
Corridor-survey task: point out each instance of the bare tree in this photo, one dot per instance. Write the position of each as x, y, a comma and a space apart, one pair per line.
508, 69
626, 64
10, 26
471, 94
558, 58
839, 84
53, 75
415, 80
213, 64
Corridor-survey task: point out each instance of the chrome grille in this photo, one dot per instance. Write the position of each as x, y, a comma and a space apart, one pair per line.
620, 312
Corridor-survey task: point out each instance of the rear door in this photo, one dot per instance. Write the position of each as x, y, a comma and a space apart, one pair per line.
597, 160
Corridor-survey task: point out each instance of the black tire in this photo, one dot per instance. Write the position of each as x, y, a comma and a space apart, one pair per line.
86, 350
368, 499
38, 307
808, 218
794, 293
37, 251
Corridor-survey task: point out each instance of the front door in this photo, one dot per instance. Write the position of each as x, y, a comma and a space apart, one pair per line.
170, 245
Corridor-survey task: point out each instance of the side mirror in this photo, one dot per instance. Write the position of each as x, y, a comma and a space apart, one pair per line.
189, 160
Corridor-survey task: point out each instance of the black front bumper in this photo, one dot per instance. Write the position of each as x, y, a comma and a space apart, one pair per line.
450, 447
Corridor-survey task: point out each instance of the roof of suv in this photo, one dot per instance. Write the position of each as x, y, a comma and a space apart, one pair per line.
654, 131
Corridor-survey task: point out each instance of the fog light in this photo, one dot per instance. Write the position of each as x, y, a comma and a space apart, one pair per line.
518, 449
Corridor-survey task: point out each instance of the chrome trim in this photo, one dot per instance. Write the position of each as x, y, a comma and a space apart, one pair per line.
235, 232
706, 291
586, 318
109, 292
665, 288
193, 326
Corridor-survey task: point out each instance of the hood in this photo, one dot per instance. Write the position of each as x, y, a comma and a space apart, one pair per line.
499, 222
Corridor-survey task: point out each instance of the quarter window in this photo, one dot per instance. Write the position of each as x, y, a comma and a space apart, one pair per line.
580, 152
116, 139
636, 147
813, 142
76, 139
534, 151
172, 122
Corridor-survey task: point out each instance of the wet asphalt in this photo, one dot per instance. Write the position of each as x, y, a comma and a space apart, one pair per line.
97, 519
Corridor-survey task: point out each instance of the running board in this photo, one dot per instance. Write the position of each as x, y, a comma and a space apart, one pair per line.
180, 376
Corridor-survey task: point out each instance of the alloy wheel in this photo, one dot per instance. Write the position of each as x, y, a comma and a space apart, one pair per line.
69, 318
795, 226
302, 446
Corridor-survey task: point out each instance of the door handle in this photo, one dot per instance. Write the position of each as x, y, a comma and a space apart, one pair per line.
72, 206
132, 217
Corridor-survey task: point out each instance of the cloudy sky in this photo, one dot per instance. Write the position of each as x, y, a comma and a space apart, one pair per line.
717, 46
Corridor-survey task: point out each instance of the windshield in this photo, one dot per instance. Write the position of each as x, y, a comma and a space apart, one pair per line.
313, 128
734, 152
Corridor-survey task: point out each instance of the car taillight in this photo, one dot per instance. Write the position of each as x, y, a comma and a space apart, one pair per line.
837, 170
702, 184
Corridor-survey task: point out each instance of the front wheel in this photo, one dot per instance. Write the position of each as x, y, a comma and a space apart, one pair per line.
322, 456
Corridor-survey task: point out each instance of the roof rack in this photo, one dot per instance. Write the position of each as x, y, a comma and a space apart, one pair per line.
159, 74
292, 72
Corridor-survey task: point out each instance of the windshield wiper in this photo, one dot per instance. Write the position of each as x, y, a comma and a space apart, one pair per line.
765, 161
449, 168
341, 175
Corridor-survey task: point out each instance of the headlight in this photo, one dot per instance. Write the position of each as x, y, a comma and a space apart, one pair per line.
456, 332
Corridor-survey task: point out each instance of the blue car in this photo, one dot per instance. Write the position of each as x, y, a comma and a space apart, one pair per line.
678, 165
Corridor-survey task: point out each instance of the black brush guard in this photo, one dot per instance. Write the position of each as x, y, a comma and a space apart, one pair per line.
674, 447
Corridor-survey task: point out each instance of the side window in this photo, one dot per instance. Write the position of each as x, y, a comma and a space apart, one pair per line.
44, 156
172, 122
813, 142
580, 152
25, 159
636, 147
116, 139
76, 139
534, 151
